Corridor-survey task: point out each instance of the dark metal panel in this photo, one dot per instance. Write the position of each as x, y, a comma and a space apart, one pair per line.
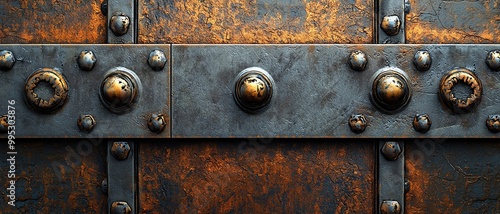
83, 92
256, 176
263, 21
316, 91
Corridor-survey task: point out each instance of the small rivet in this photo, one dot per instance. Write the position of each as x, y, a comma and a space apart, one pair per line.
422, 123
86, 123
157, 60
493, 123
86, 60
390, 207
119, 24
104, 186
358, 60
120, 150
407, 6
407, 185
253, 89
422, 60
357, 123
4, 125
390, 25
493, 60
157, 123
120, 207
7, 60
391, 150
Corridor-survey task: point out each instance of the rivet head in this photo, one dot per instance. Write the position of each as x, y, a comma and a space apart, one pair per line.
120, 90
120, 207
358, 60
119, 24
422, 123
422, 60
253, 89
57, 82
391, 150
390, 25
407, 185
4, 125
157, 123
120, 150
104, 186
391, 91
390, 207
86, 60
157, 60
493, 123
7, 60
86, 123
493, 60
452, 79
357, 123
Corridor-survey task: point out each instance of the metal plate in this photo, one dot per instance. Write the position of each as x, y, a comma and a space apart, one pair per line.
316, 91
83, 90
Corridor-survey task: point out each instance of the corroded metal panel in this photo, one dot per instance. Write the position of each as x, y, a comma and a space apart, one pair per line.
264, 22
256, 176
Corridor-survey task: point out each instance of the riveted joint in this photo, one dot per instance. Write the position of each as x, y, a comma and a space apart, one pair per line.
422, 123
119, 24
493, 60
390, 207
120, 150
391, 150
493, 123
86, 60
357, 123
391, 25
157, 123
120, 207
358, 60
253, 90
7, 60
157, 60
86, 123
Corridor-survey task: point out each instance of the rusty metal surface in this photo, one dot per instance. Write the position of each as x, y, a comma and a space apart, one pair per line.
316, 91
453, 176
256, 176
266, 21
48, 21
444, 21
56, 177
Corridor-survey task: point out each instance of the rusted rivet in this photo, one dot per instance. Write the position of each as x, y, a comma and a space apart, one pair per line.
422, 60
57, 82
358, 60
391, 150
391, 91
493, 123
86, 123
4, 125
253, 89
104, 186
120, 150
450, 80
390, 207
120, 90
390, 25
407, 185
86, 60
157, 60
422, 123
119, 24
493, 60
157, 123
357, 123
7, 60
120, 207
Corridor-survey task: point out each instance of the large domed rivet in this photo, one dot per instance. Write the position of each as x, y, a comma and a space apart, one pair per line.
58, 84
391, 91
253, 89
120, 90
453, 78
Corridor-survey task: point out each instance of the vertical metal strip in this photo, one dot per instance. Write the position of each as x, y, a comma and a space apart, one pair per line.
121, 22
390, 21
391, 177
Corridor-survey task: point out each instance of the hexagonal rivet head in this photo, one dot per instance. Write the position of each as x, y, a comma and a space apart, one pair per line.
390, 207
422, 123
119, 24
358, 60
120, 207
357, 123
391, 150
120, 150
157, 123
7, 60
422, 60
86, 60
157, 60
493, 60
86, 123
4, 125
493, 123
390, 25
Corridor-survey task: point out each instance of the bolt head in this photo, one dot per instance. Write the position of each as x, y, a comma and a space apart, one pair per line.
4, 125
493, 123
390, 207
390, 25
120, 207
493, 60
119, 24
391, 150
120, 150
358, 60
7, 60
422, 60
157, 60
86, 60
157, 123
422, 123
86, 123
357, 123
